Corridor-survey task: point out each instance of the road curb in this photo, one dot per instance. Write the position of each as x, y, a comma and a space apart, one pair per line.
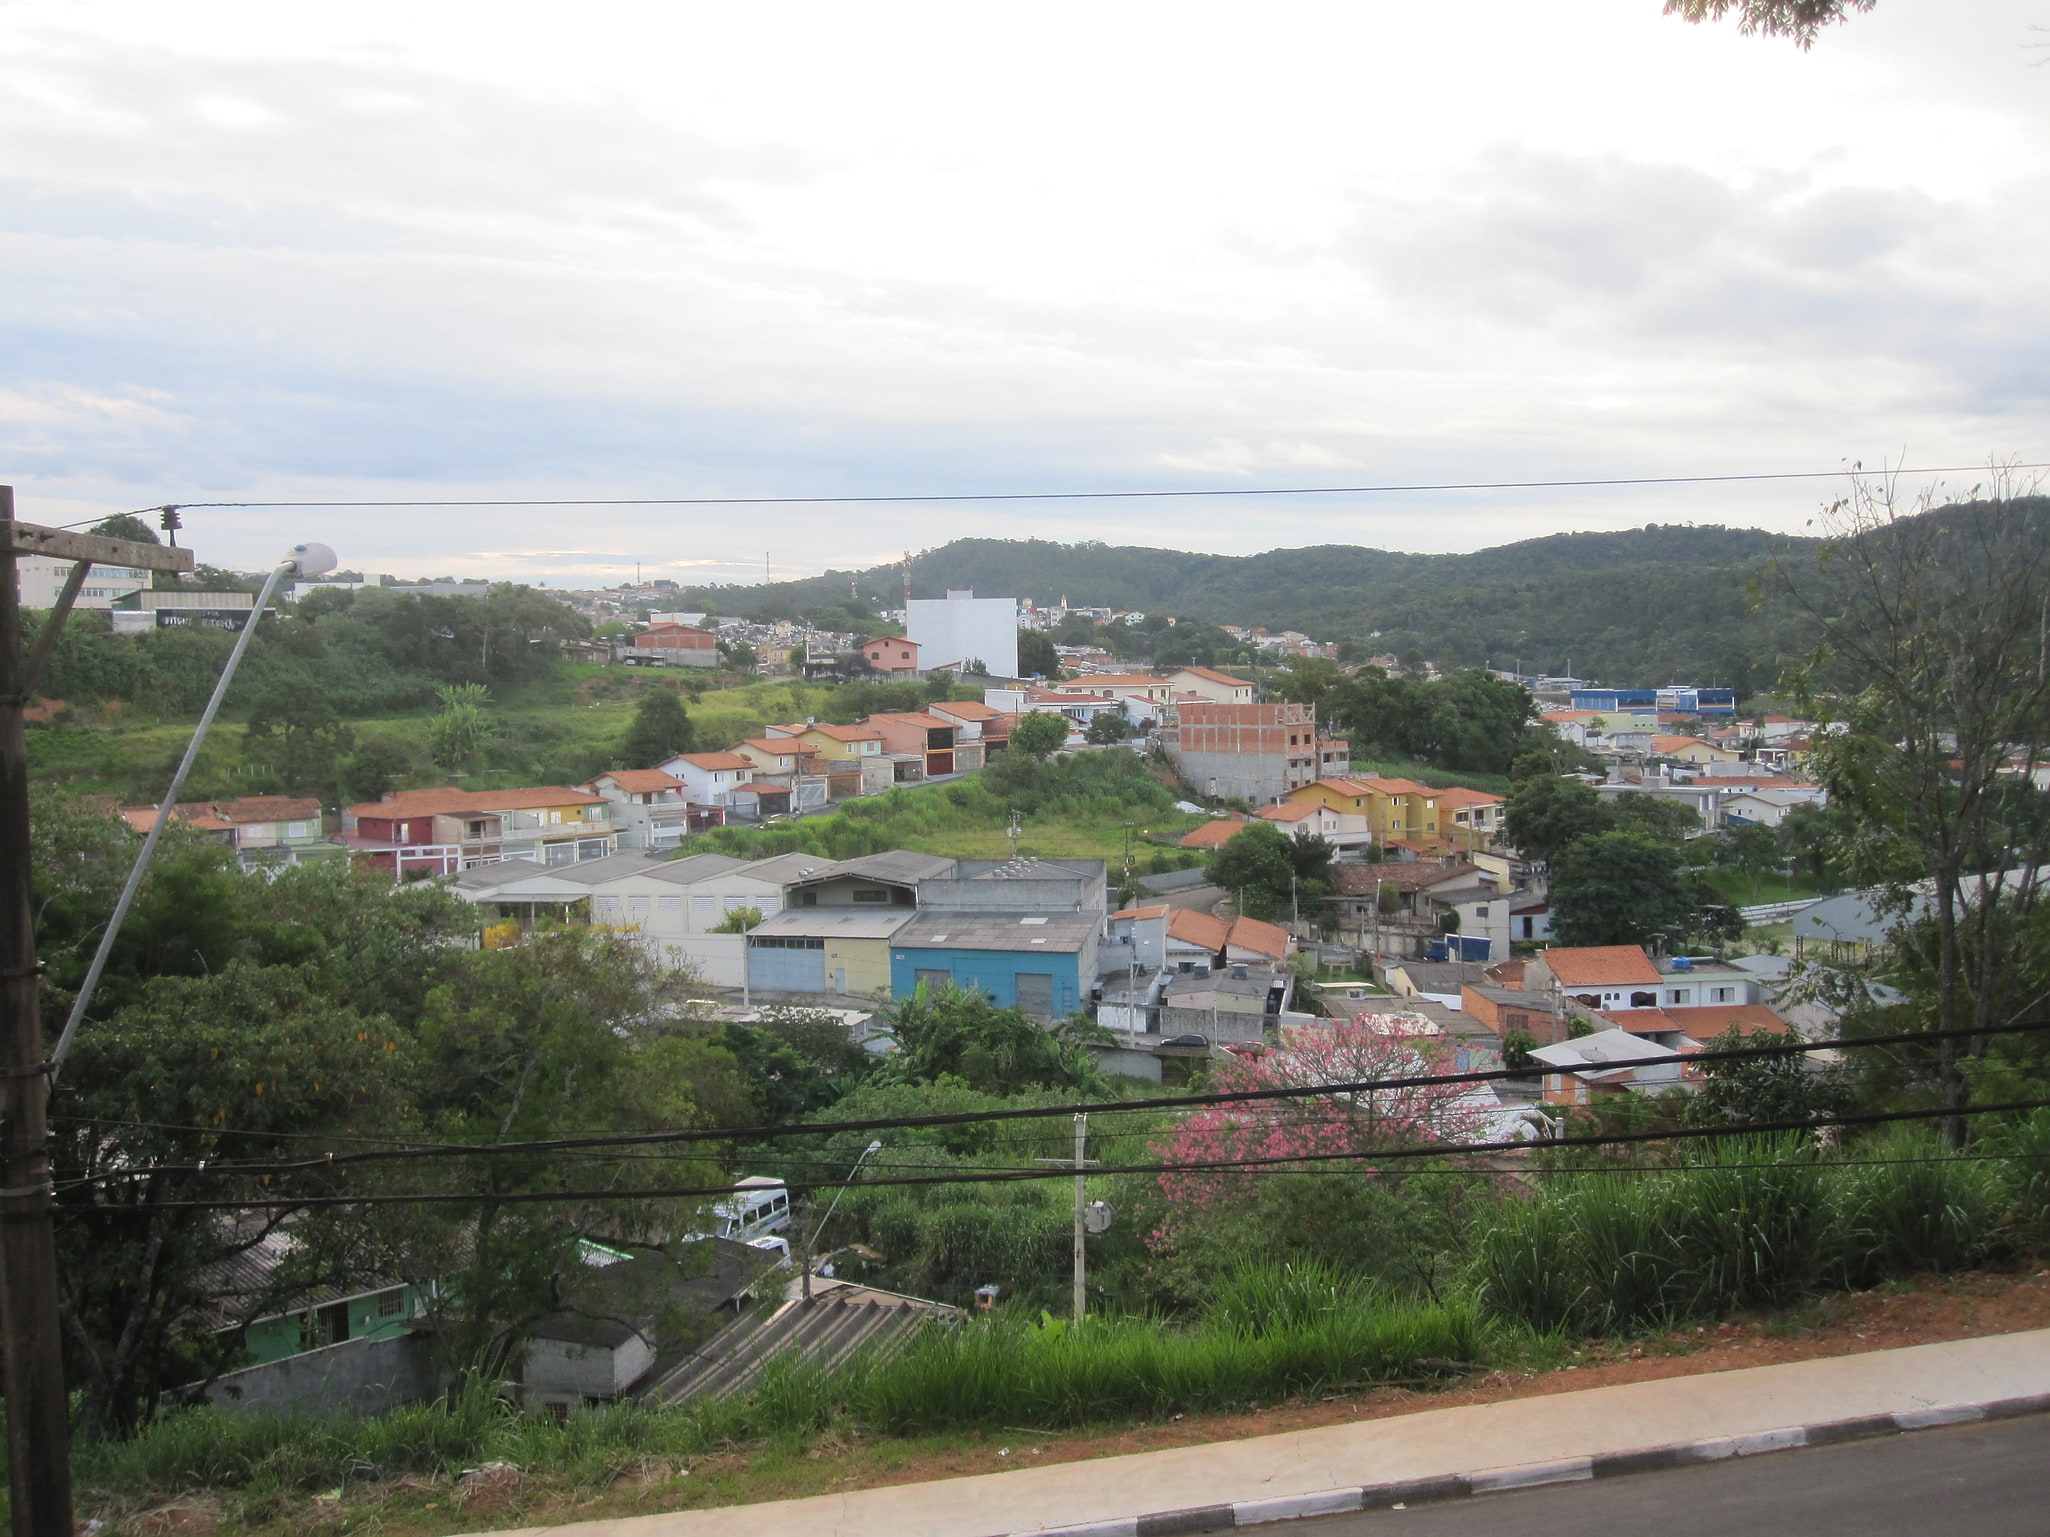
1534, 1475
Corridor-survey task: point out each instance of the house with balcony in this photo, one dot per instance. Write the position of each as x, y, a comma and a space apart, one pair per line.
651, 809
1397, 811
851, 758
1146, 697
714, 779
267, 832
1211, 686
925, 745
441, 832
976, 722
1470, 819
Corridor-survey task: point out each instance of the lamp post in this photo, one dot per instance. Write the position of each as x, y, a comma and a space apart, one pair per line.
304, 560
872, 1148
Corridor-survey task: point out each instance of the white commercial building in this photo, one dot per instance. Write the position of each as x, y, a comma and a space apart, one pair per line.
43, 577
961, 628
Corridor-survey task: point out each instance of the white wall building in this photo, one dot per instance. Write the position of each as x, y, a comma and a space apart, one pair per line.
962, 627
42, 577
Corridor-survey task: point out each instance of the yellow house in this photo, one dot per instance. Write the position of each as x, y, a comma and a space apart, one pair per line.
1691, 749
838, 744
1397, 810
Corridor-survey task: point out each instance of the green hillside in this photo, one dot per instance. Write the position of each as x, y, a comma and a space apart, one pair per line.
1649, 605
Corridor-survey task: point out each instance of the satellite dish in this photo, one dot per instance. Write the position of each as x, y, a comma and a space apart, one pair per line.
1097, 1216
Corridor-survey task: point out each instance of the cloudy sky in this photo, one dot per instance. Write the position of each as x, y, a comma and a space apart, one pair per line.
259, 252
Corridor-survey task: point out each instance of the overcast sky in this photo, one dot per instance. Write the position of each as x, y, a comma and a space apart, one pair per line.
628, 248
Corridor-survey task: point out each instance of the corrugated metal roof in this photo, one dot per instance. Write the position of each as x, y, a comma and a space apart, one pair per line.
996, 931
835, 923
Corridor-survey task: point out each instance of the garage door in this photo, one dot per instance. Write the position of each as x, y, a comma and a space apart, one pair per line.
780, 965
1035, 993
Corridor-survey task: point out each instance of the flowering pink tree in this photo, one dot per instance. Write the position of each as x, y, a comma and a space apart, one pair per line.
1343, 1121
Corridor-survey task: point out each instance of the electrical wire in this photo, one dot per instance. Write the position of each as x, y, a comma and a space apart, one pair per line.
1025, 1175
1040, 1112
1067, 496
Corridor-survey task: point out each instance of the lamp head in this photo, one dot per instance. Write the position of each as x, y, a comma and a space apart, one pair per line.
875, 1147
307, 561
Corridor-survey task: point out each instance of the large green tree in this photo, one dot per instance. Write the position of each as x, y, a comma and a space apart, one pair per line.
953, 1032
1257, 867
661, 729
1039, 733
1619, 888
1548, 813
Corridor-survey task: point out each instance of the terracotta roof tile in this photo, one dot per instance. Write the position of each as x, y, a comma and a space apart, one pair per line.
1600, 966
1191, 927
1211, 835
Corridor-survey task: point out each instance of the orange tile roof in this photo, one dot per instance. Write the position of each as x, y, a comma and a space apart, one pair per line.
1707, 1021
1210, 835
1600, 966
717, 760
836, 733
421, 803
268, 808
641, 781
912, 718
1642, 1021
1126, 680
1675, 743
1290, 811
1194, 928
785, 748
1260, 938
1143, 912
1215, 676
1459, 797
143, 818
966, 709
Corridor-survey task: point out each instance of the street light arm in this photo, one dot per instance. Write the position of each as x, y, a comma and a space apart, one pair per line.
305, 560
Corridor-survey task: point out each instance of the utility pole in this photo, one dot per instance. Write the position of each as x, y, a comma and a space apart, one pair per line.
32, 1375
1081, 1214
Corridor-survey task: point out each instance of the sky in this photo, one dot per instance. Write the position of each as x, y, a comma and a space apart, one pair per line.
626, 249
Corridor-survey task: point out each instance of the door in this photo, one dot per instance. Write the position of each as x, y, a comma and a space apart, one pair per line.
1035, 993
932, 981
839, 979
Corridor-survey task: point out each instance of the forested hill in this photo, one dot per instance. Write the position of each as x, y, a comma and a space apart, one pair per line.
1641, 606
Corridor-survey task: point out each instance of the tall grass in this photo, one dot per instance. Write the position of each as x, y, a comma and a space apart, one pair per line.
1750, 1223
1271, 1335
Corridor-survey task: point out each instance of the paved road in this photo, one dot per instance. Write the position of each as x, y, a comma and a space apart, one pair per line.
1972, 1480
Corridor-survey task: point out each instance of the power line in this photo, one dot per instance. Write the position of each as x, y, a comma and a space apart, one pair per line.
1022, 1174
742, 1134
1074, 496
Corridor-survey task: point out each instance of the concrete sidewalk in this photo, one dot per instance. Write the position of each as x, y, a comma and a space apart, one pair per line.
1435, 1453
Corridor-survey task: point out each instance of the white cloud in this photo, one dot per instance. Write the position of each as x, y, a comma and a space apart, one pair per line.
405, 251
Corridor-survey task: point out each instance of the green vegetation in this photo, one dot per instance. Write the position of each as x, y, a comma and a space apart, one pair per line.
1082, 806
1634, 608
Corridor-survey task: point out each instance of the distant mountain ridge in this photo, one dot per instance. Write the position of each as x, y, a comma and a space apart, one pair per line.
1657, 604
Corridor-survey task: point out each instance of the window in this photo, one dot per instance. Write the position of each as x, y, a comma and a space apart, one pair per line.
872, 896
1644, 1000
669, 904
702, 905
391, 1304
638, 906
1676, 996
1481, 911
1722, 995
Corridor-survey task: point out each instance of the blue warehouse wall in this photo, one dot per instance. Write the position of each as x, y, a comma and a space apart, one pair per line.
992, 971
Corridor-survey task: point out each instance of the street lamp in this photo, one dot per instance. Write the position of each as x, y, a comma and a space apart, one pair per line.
301, 562
870, 1150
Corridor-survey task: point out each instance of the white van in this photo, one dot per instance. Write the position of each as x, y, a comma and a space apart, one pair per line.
760, 1206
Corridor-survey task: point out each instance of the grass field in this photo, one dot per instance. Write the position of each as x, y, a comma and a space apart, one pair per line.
1749, 891
559, 729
